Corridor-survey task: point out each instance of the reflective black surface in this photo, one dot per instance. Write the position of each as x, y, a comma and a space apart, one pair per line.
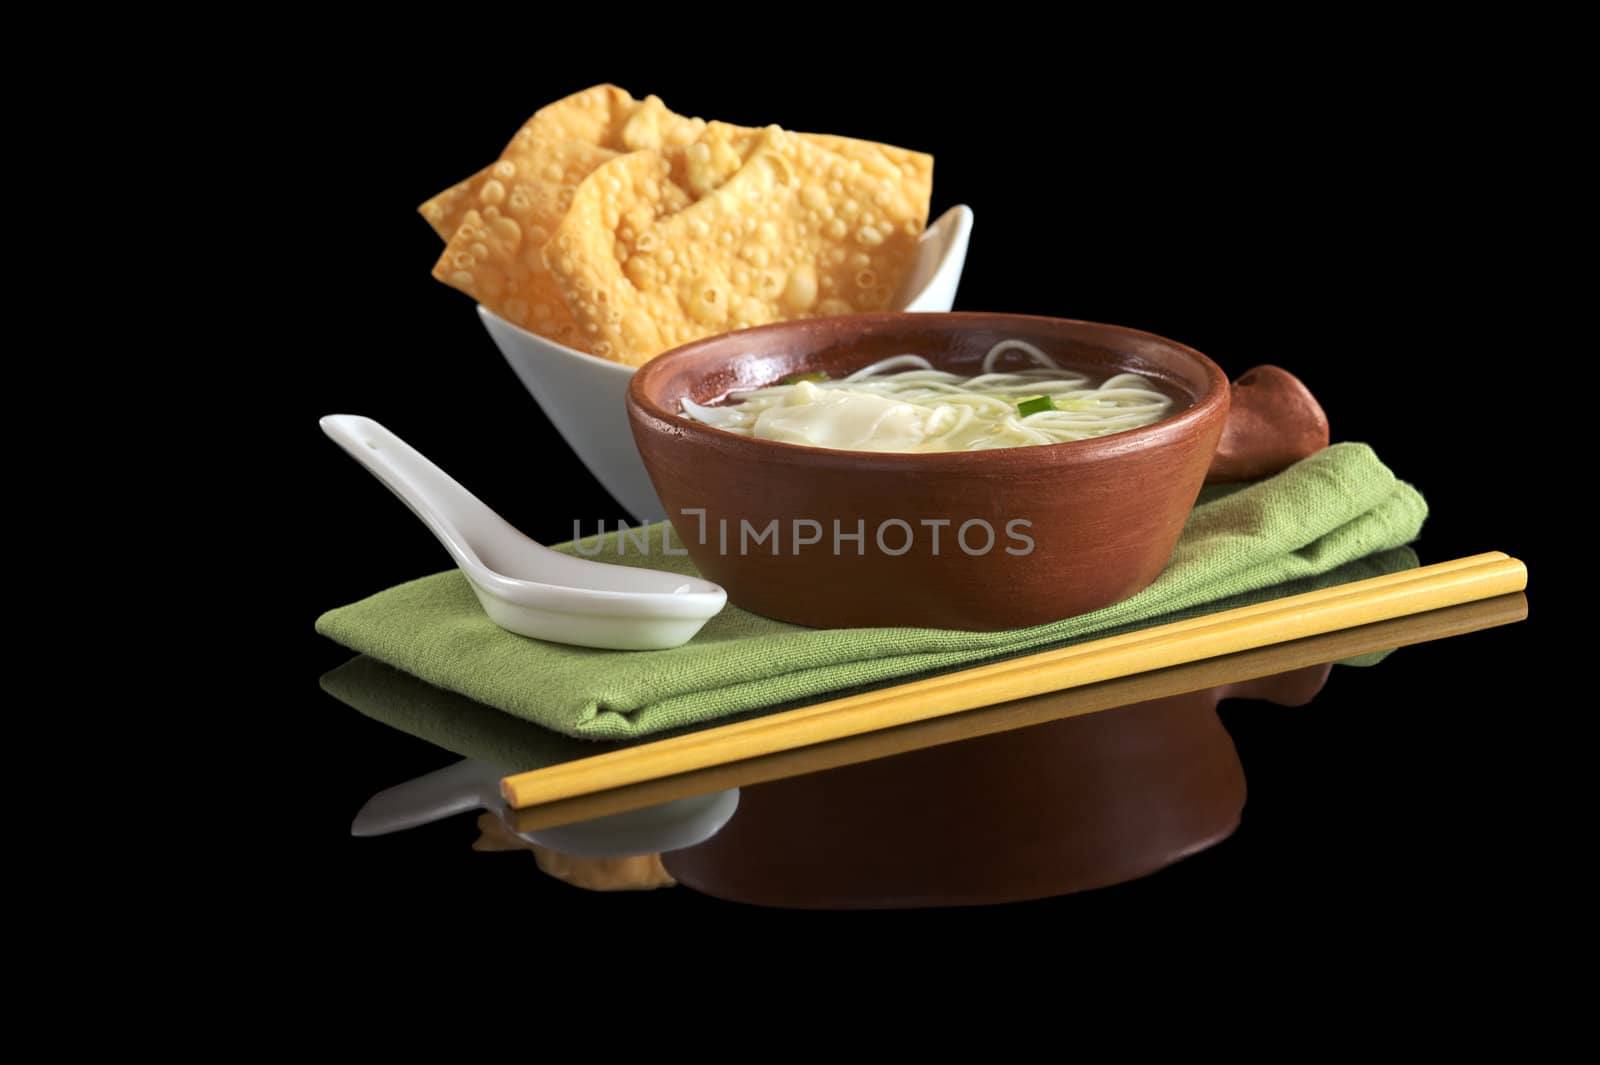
444, 727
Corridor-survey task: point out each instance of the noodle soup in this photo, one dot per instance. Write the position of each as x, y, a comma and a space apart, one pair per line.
1103, 512
903, 404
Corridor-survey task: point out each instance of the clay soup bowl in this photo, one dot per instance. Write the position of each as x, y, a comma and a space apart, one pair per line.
976, 540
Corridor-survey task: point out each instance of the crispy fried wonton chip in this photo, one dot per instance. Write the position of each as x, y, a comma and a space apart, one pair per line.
793, 230
495, 254
603, 116
773, 225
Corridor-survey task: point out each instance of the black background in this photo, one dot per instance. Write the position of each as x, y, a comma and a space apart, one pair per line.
1346, 218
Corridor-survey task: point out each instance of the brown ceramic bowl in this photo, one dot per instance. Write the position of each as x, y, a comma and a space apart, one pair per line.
1101, 515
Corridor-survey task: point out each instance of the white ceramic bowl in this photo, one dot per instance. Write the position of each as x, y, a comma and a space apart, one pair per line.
583, 396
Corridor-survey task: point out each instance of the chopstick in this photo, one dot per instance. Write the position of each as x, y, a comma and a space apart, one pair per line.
1343, 606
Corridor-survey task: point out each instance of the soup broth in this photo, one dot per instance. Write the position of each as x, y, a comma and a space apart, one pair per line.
903, 404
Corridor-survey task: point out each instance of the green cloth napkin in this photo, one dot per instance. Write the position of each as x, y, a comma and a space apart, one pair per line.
474, 730
1334, 507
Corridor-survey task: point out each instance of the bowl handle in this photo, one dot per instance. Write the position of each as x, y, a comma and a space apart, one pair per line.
1273, 422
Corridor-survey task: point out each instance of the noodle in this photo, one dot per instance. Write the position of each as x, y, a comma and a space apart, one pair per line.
902, 403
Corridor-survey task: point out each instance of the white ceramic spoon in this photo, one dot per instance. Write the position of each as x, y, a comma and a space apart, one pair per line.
524, 586
475, 785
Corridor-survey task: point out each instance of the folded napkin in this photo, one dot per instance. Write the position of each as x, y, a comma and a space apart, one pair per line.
1334, 507
476, 730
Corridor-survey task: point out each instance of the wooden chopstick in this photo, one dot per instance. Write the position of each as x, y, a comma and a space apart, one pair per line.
1402, 631
1361, 602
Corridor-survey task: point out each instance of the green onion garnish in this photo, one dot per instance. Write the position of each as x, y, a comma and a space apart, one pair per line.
1035, 405
815, 375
